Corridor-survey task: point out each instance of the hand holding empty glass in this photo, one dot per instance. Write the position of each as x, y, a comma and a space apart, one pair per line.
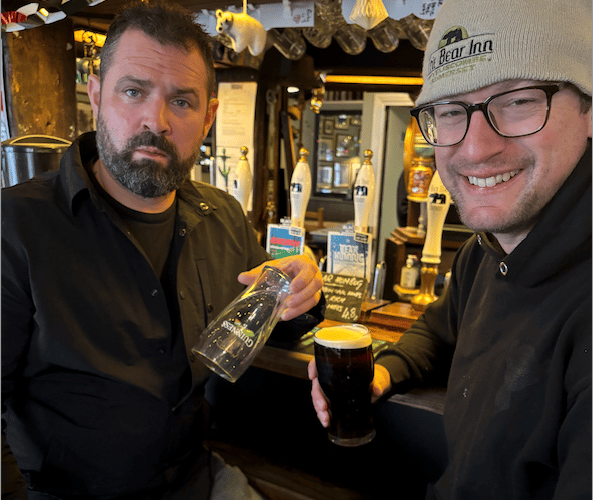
231, 342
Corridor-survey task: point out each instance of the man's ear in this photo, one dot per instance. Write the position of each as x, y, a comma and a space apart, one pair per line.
210, 115
93, 88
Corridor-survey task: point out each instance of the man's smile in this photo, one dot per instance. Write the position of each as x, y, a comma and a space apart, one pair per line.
492, 181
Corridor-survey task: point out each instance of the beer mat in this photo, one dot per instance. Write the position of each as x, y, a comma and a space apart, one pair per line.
305, 344
430, 399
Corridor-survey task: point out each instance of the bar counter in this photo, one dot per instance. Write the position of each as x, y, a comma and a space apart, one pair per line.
265, 423
294, 361
386, 322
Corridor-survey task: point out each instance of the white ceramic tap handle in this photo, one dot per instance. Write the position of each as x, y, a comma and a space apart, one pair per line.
300, 190
364, 193
437, 206
242, 182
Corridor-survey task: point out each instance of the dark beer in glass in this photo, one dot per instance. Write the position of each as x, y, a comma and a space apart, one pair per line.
345, 367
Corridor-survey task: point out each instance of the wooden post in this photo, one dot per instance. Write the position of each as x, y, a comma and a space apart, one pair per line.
40, 80
260, 168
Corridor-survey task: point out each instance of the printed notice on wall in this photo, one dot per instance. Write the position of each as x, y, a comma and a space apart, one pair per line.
235, 119
343, 296
349, 253
284, 241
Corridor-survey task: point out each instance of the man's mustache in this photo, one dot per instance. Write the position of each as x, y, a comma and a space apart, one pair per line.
148, 138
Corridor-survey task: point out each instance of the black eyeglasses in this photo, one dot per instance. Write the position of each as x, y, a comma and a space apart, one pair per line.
515, 113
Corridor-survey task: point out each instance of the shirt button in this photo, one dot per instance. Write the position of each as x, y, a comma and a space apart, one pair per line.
162, 351
182, 294
204, 206
479, 239
210, 308
192, 357
154, 292
502, 267
182, 232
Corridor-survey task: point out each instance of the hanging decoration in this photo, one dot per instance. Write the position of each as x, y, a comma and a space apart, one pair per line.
244, 31
35, 14
318, 21
368, 13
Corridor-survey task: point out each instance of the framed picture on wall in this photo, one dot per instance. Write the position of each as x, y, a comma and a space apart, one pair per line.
344, 143
325, 149
342, 122
336, 149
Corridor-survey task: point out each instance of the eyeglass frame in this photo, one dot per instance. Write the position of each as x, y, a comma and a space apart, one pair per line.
550, 89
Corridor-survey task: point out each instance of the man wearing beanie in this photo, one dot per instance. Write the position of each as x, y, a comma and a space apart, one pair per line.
507, 104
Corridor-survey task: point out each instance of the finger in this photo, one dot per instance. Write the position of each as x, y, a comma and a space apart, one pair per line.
307, 281
300, 308
302, 291
320, 403
248, 277
301, 269
303, 299
381, 382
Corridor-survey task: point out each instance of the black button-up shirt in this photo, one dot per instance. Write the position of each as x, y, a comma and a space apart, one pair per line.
95, 350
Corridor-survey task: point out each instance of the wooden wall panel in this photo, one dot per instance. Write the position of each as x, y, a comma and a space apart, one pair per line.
40, 80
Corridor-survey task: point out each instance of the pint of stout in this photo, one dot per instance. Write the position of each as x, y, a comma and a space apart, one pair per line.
344, 360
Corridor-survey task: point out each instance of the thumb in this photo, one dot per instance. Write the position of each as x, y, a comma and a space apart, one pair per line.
248, 277
381, 381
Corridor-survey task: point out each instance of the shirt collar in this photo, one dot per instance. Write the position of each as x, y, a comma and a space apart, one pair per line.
75, 179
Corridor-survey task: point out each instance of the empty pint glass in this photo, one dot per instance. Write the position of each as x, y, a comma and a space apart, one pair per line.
231, 342
345, 367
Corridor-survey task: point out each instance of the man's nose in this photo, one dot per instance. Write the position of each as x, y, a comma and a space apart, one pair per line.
157, 117
481, 139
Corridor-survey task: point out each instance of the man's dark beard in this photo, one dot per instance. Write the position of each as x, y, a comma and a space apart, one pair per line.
146, 178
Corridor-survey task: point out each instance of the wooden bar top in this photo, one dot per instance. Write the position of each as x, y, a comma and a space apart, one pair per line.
395, 317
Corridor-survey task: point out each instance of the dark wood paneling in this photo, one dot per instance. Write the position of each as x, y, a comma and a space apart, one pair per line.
40, 67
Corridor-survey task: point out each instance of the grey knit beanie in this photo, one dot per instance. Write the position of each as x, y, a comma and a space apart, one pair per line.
475, 43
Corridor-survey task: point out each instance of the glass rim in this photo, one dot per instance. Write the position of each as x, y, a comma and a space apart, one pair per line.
276, 270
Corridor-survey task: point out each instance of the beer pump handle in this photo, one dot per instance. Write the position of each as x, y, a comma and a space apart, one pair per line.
241, 188
437, 206
364, 193
300, 190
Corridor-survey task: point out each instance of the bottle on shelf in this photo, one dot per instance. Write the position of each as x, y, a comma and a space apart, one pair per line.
410, 273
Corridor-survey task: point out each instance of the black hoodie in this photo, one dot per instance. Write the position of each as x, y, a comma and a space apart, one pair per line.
512, 340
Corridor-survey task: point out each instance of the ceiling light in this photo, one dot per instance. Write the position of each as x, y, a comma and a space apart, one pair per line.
292, 90
374, 80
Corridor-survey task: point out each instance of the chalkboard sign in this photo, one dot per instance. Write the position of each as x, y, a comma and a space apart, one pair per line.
343, 295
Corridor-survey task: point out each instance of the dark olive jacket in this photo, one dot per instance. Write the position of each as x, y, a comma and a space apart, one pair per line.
101, 393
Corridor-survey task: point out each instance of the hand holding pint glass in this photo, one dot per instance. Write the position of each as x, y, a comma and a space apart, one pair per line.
345, 369
230, 343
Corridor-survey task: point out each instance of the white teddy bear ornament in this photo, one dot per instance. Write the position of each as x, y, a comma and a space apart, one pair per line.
244, 31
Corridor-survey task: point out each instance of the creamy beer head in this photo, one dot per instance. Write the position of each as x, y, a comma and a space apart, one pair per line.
344, 337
